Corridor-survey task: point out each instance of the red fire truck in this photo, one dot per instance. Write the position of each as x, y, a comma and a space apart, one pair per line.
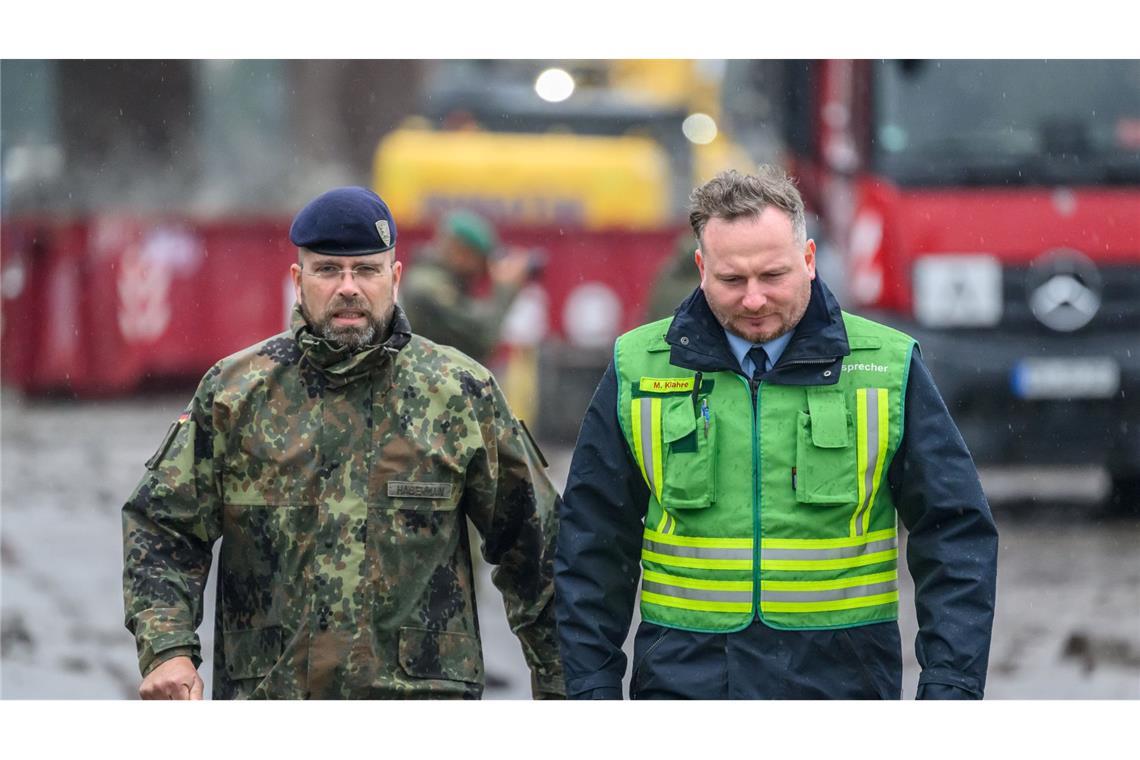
991, 209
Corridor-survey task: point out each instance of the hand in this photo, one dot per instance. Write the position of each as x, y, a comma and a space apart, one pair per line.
511, 270
177, 678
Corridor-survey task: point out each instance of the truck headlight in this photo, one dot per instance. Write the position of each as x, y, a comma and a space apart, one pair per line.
957, 290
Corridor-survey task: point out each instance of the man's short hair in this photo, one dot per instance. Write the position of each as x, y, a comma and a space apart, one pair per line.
731, 195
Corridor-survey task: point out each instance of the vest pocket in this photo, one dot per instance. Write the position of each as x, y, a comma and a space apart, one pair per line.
825, 451
689, 449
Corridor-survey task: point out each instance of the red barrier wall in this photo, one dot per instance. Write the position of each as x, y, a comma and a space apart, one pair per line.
106, 305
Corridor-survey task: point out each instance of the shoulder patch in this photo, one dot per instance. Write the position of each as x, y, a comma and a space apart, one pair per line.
160, 454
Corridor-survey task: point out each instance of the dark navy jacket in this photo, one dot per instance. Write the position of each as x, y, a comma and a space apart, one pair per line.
951, 553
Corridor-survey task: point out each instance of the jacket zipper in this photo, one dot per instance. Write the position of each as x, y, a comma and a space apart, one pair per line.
754, 388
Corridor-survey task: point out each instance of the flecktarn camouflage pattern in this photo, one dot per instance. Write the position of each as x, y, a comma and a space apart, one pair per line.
340, 486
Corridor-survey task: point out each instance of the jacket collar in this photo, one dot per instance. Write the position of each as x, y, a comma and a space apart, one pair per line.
819, 342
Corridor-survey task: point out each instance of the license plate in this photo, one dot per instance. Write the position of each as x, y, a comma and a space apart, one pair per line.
1084, 377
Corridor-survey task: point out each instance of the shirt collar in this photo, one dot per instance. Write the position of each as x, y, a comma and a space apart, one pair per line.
740, 348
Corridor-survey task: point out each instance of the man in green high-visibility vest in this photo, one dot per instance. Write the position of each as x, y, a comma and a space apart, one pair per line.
750, 459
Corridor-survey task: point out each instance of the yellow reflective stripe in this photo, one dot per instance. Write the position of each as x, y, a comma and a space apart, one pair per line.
635, 416
696, 562
711, 543
860, 454
873, 417
676, 580
693, 604
884, 434
827, 543
655, 437
839, 604
647, 440
663, 521
828, 564
858, 580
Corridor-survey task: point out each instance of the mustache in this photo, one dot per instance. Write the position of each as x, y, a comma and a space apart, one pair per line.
341, 303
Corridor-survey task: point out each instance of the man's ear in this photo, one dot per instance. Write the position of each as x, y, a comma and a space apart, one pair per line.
700, 261
397, 271
295, 271
809, 258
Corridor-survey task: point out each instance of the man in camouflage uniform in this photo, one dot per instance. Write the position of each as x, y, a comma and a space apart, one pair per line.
438, 292
675, 281
339, 462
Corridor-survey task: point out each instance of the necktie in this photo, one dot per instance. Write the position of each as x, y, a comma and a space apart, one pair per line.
759, 359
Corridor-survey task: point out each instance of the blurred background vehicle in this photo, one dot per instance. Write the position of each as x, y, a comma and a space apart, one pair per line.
991, 209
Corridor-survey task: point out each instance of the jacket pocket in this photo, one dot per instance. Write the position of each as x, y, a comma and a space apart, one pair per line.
440, 655
688, 447
252, 653
825, 450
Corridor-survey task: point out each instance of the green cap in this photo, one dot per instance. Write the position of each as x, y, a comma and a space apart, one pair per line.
473, 230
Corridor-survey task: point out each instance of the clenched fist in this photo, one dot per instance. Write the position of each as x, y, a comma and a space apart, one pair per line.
177, 678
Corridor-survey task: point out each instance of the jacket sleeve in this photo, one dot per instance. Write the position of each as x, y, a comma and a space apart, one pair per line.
951, 544
514, 506
170, 524
597, 564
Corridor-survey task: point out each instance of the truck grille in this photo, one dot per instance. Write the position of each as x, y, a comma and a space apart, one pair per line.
1119, 301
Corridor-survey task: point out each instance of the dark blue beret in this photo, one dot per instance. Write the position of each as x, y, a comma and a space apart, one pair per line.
347, 221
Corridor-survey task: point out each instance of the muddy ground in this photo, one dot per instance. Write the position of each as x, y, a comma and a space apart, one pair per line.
1068, 621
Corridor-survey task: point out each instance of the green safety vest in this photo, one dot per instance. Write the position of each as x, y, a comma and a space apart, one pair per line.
777, 510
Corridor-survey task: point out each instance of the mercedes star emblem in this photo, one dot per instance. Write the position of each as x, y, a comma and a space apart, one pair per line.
1064, 290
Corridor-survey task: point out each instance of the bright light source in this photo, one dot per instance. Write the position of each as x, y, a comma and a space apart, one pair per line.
699, 128
554, 85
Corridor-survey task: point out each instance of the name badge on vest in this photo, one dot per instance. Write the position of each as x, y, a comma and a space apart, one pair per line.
667, 384
406, 490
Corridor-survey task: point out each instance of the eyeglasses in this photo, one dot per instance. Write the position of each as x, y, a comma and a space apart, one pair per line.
361, 272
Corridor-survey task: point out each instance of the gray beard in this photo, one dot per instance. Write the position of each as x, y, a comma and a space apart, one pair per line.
351, 339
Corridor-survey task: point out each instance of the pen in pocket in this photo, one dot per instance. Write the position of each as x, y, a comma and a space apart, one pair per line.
705, 414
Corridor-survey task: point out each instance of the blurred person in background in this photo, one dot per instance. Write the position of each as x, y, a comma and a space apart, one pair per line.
339, 462
755, 452
439, 291
675, 281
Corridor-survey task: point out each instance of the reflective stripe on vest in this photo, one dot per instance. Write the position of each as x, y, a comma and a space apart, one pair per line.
700, 553
727, 554
648, 438
689, 593
873, 416
829, 553
823, 596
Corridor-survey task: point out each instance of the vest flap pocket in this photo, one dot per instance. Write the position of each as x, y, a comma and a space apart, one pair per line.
252, 653
678, 420
828, 410
689, 456
823, 475
440, 654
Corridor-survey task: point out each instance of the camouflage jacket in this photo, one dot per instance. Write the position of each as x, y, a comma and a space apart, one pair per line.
437, 302
340, 487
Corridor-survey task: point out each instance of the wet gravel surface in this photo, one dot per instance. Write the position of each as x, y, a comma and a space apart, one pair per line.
1068, 621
